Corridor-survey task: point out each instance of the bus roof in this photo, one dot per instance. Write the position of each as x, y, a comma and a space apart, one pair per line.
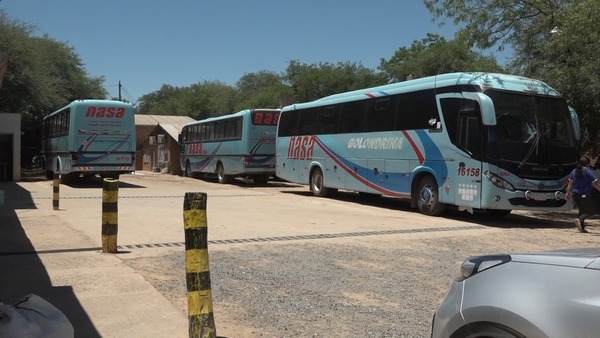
479, 80
222, 117
89, 102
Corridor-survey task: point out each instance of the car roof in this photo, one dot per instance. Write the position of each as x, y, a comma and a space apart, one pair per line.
575, 257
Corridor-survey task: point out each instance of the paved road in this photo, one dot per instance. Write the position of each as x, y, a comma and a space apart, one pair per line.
283, 263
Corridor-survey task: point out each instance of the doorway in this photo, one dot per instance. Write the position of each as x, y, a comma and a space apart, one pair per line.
6, 157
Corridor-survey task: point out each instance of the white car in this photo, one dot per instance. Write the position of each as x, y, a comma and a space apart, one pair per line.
548, 294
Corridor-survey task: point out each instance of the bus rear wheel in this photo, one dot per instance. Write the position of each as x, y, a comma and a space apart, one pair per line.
428, 199
188, 170
317, 185
221, 177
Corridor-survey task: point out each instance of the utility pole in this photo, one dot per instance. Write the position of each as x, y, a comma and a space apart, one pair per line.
120, 90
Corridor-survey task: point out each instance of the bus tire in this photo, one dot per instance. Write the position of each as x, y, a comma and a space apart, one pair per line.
317, 183
221, 177
49, 174
188, 170
428, 200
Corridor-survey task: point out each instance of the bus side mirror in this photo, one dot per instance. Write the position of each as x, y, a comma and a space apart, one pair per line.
488, 112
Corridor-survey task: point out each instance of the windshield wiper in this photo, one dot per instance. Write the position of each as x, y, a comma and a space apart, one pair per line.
534, 145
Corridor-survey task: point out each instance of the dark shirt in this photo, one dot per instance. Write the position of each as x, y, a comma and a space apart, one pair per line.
583, 185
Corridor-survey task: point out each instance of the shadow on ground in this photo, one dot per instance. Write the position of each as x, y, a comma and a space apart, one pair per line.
22, 271
530, 219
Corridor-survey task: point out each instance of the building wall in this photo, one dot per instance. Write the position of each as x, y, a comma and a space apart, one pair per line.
160, 157
10, 147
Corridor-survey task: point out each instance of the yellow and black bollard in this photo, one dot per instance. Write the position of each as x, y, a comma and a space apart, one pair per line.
110, 225
55, 190
197, 273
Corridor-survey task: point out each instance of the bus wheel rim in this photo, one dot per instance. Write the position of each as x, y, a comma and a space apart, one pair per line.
426, 195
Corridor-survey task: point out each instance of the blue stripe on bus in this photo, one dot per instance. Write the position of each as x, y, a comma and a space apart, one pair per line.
204, 163
254, 160
83, 159
433, 160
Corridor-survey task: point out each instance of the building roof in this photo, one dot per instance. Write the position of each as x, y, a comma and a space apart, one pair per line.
154, 120
170, 124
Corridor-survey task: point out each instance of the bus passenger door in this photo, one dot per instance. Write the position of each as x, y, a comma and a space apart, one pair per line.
468, 161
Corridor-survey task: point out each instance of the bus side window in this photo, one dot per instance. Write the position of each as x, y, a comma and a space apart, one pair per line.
288, 123
417, 110
327, 120
463, 123
381, 114
470, 134
308, 121
238, 128
352, 116
450, 109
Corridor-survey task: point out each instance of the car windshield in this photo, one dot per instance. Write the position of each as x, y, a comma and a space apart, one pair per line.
533, 135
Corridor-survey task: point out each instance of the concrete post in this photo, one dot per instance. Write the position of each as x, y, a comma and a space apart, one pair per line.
197, 273
110, 225
55, 190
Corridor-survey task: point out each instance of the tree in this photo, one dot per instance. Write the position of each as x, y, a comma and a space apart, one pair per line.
434, 55
201, 100
556, 41
264, 89
311, 82
42, 74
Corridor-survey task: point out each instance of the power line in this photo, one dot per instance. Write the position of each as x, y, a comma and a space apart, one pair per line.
122, 88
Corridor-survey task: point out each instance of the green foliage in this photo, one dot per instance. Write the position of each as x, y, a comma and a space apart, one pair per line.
556, 41
487, 23
42, 74
199, 101
311, 82
264, 89
434, 55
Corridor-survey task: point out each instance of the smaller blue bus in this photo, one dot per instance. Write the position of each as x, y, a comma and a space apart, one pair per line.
89, 137
235, 145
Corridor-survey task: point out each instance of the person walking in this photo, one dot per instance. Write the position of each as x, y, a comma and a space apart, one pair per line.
581, 182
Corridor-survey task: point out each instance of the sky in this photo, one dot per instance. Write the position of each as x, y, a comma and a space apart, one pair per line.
146, 44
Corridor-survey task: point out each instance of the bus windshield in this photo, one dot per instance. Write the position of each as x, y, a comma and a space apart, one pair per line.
533, 135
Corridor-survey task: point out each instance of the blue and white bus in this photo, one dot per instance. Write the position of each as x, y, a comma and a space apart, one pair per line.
474, 140
235, 145
89, 137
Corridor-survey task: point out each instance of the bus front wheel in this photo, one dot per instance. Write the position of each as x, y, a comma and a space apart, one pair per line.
317, 185
428, 199
223, 179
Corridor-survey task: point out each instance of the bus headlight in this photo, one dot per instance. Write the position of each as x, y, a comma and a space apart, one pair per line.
498, 181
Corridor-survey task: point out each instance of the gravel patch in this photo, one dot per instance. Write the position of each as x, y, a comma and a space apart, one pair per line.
371, 286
